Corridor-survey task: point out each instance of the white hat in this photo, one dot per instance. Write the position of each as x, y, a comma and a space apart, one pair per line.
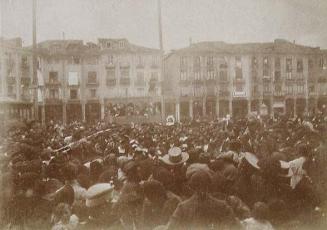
99, 194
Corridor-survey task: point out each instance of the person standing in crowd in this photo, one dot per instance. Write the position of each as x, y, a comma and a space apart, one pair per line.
202, 211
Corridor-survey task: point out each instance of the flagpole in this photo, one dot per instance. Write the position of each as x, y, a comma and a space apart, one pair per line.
34, 66
161, 59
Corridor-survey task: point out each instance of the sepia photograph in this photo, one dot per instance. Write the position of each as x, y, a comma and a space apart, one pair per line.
163, 114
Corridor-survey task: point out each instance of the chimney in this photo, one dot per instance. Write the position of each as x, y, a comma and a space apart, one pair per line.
293, 41
190, 41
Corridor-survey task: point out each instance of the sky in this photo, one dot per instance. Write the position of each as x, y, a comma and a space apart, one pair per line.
235, 21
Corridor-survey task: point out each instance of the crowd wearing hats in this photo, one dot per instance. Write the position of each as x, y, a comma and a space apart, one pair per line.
251, 173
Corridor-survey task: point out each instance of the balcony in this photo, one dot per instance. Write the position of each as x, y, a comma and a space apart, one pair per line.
322, 79
266, 78
239, 81
26, 97
53, 101
140, 66
198, 82
184, 82
224, 93
267, 93
26, 81
111, 82
224, 81
279, 93
11, 80
154, 66
312, 94
255, 94
125, 81
92, 84
211, 81
53, 84
140, 83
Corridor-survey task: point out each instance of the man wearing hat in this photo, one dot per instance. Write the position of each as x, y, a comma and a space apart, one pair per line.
202, 211
175, 162
99, 206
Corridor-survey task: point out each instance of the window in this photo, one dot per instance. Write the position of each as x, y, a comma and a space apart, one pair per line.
265, 67
92, 77
197, 75
255, 91
124, 72
223, 72
10, 90
277, 63
73, 94
210, 64
72, 78
140, 61
155, 61
299, 66
254, 63
300, 88
154, 76
239, 88
289, 89
277, 76
223, 75
140, 78
288, 65
76, 60
121, 44
110, 59
310, 65
238, 68
183, 76
53, 77
211, 75
183, 63
111, 78
108, 44
93, 93
266, 87
196, 65
91, 61
54, 94
24, 62
278, 88
311, 89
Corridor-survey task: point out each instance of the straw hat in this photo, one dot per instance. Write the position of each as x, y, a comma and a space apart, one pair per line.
175, 156
99, 194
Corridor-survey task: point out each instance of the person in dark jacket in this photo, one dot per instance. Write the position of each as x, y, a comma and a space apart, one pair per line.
202, 211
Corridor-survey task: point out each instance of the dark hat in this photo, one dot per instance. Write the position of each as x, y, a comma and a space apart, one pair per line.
129, 166
64, 195
154, 190
28, 179
200, 181
164, 176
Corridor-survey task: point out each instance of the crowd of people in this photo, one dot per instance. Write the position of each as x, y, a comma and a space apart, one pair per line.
131, 109
251, 173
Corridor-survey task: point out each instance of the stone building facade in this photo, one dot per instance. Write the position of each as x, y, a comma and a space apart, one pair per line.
214, 79
79, 81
